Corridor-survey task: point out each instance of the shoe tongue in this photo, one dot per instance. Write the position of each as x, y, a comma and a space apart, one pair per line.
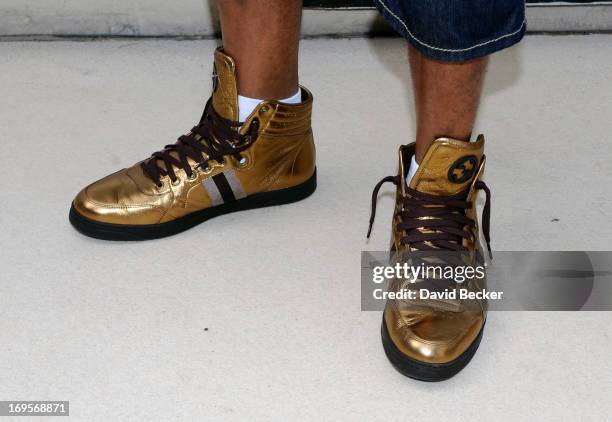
449, 166
225, 90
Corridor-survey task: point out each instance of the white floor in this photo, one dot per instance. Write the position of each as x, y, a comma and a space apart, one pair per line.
256, 316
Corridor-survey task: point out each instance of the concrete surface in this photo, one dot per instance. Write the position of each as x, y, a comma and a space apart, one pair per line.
255, 316
199, 18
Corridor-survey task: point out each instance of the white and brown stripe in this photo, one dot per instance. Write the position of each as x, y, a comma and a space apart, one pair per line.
224, 187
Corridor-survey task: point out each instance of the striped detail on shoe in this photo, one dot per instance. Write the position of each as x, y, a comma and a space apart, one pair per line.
224, 187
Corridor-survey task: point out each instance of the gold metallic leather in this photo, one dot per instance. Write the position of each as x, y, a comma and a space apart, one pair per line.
437, 331
282, 156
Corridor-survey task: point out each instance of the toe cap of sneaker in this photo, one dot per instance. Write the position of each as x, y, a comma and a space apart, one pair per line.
116, 199
433, 337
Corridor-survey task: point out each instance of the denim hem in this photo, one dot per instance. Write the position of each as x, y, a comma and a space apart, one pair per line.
447, 54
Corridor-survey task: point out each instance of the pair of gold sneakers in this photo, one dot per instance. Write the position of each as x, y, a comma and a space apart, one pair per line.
223, 165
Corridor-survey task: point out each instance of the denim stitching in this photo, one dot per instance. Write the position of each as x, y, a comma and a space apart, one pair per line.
449, 50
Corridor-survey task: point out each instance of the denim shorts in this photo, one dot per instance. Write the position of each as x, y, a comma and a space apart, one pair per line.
456, 30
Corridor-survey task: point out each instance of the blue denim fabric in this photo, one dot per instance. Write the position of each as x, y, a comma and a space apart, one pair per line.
456, 30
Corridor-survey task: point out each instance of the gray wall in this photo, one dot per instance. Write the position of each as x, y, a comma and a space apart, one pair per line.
198, 18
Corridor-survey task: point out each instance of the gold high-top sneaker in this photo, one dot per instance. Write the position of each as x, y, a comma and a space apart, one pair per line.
220, 166
432, 339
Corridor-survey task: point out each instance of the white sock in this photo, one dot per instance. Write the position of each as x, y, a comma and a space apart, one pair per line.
414, 166
246, 105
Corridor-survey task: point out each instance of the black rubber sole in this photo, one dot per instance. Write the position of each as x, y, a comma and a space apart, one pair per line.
426, 371
107, 231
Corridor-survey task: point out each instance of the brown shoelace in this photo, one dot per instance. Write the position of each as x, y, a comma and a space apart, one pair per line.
212, 139
446, 222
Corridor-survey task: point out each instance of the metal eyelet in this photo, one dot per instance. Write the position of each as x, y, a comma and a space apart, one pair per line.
221, 162
176, 182
265, 109
207, 170
194, 175
243, 161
